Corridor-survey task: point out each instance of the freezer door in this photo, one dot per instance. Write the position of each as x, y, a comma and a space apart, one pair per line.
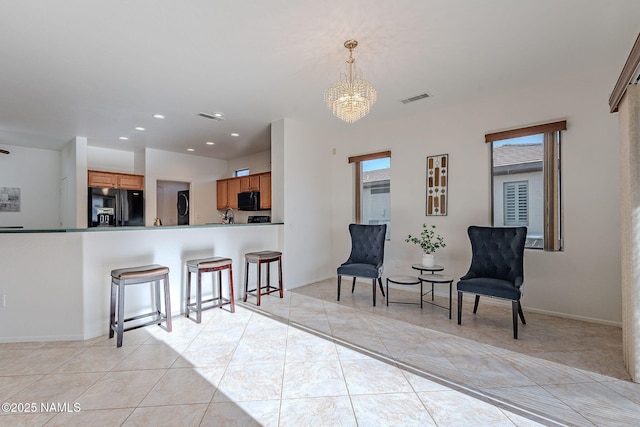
130, 209
102, 207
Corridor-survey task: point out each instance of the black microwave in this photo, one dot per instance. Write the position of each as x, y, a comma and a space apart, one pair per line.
249, 201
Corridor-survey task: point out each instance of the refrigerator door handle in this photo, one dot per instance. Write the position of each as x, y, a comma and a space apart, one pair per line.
119, 208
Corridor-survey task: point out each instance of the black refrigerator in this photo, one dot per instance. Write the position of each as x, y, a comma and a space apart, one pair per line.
110, 207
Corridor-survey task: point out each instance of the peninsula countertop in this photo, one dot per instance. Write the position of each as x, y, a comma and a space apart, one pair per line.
14, 230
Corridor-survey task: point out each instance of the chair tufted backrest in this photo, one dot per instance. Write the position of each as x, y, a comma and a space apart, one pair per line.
498, 252
367, 243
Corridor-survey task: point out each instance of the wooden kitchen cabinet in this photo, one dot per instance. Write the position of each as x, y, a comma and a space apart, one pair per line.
130, 182
250, 183
101, 179
227, 190
115, 180
265, 190
232, 192
222, 194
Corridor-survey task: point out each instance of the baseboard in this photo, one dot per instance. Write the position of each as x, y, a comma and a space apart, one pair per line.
527, 309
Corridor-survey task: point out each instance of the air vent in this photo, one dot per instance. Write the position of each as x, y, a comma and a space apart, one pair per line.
415, 98
215, 116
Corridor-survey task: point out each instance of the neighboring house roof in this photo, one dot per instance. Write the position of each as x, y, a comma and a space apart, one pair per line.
515, 154
376, 175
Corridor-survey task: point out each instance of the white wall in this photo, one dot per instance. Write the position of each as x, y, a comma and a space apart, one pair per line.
43, 298
256, 163
37, 173
74, 175
201, 172
109, 160
581, 282
302, 158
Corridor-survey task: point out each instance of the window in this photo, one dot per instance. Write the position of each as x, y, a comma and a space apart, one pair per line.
373, 189
241, 172
526, 185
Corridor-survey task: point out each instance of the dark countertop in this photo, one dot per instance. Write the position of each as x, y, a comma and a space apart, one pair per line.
101, 229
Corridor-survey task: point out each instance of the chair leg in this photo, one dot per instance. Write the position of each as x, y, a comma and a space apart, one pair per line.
459, 308
387, 292
514, 309
339, 280
246, 281
373, 284
167, 303
112, 314
353, 286
475, 304
521, 314
381, 289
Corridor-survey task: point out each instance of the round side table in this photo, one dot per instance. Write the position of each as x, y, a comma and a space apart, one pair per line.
437, 279
407, 281
432, 270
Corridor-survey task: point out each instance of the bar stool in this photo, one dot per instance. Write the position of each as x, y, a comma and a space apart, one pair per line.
123, 277
208, 265
259, 258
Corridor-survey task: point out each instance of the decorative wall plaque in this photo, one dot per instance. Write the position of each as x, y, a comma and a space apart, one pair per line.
9, 199
437, 180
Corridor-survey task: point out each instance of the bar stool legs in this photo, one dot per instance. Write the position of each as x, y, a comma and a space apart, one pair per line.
259, 258
208, 265
124, 277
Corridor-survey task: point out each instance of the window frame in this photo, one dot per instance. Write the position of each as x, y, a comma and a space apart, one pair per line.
241, 172
552, 182
358, 160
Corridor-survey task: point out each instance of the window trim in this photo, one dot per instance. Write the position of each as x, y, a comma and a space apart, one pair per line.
552, 187
358, 174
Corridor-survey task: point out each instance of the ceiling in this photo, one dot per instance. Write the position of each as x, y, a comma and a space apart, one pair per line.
98, 69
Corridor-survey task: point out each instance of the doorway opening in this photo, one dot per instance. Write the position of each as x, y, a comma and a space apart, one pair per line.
172, 202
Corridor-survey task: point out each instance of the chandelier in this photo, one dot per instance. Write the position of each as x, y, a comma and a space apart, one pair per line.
351, 97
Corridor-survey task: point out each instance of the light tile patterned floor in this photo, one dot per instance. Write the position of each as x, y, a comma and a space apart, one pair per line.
307, 360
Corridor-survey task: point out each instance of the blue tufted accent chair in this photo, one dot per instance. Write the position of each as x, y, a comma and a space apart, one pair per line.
367, 256
497, 268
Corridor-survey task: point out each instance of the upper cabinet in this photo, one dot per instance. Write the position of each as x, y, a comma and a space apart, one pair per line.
115, 180
265, 190
228, 189
250, 183
222, 193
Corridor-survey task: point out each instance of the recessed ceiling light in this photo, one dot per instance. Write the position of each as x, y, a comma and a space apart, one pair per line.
191, 149
235, 134
210, 143
140, 128
217, 114
124, 138
158, 116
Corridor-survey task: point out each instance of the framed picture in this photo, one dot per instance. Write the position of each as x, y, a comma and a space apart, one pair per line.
437, 180
9, 199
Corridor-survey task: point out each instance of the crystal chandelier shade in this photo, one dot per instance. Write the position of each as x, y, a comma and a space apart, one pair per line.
351, 97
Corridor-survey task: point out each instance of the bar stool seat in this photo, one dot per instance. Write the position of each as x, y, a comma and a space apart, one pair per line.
208, 265
259, 258
122, 277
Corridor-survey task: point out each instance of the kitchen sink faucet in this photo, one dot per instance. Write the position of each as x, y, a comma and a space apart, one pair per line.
228, 218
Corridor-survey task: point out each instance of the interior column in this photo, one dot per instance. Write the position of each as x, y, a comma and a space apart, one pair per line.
629, 119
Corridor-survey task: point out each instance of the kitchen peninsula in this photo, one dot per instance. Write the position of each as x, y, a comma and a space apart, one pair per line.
60, 279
